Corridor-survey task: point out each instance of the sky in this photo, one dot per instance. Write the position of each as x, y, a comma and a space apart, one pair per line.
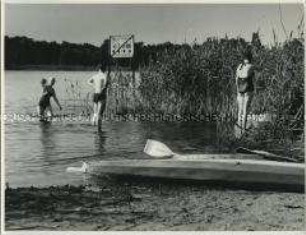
92, 23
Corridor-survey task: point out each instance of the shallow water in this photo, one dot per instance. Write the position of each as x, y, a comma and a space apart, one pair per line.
39, 153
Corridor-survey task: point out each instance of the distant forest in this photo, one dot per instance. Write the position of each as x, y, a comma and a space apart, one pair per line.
27, 53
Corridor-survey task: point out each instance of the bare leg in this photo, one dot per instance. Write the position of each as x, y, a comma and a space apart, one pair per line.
40, 111
246, 107
49, 111
101, 108
95, 114
240, 101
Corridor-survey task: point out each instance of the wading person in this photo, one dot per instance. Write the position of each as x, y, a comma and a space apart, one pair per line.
245, 88
99, 83
44, 104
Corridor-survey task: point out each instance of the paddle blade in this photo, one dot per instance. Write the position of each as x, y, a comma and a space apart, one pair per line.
157, 149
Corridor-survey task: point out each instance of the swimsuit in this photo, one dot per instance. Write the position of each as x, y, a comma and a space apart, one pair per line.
245, 85
244, 82
99, 97
44, 101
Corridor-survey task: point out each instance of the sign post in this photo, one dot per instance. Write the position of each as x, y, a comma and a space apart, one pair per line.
122, 46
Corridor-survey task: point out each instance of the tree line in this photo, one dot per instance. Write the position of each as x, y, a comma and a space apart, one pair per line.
23, 53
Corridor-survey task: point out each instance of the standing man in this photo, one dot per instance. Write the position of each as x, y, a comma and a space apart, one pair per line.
99, 83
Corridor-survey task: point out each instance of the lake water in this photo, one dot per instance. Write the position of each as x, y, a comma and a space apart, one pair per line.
38, 154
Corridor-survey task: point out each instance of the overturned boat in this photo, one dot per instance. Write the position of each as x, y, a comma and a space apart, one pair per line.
204, 167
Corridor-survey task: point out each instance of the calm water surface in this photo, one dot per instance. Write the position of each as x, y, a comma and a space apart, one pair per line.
38, 154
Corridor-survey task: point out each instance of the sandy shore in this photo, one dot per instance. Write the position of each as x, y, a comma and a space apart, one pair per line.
152, 206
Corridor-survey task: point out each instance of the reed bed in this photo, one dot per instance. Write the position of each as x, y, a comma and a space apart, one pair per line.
123, 96
199, 80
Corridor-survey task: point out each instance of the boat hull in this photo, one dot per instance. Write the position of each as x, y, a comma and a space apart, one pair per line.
225, 170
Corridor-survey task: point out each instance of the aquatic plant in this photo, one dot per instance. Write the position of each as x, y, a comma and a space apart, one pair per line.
199, 79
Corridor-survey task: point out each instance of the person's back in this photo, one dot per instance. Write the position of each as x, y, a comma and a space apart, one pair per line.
48, 92
99, 82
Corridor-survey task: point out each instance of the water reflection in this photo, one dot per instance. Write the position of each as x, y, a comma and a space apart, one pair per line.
34, 150
99, 141
52, 147
48, 145
47, 139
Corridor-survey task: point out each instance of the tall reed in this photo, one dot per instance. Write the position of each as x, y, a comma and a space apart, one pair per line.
199, 79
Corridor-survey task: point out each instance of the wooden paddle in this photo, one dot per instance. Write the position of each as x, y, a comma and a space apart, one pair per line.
265, 154
157, 149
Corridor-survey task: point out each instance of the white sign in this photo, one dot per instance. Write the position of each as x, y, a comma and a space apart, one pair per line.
122, 46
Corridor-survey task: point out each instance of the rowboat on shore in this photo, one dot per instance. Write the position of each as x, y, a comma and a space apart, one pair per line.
205, 167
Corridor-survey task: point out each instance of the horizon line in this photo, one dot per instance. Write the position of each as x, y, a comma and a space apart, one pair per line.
155, 43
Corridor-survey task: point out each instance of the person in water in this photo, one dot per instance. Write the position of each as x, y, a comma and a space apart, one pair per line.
99, 83
44, 104
245, 89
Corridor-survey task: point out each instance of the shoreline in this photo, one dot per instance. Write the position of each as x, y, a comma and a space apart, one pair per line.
152, 206
76, 68
49, 68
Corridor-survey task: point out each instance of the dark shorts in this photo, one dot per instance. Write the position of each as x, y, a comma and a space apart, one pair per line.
245, 85
99, 97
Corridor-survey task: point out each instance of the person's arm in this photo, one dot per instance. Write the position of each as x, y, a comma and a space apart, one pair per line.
45, 91
251, 72
56, 101
236, 77
90, 81
237, 84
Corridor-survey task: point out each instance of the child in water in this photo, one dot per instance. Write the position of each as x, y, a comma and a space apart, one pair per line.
44, 101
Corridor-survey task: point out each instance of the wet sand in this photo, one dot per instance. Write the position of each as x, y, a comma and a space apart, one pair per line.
152, 206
